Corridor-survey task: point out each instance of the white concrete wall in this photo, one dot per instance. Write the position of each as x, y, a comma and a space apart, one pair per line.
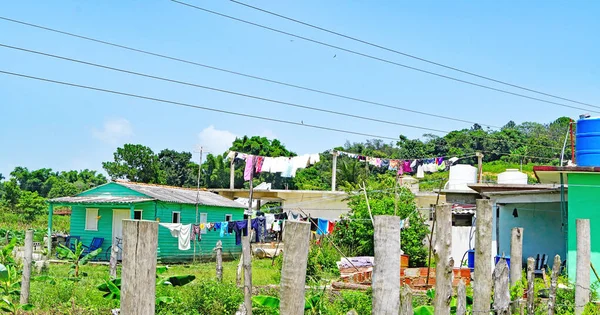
460, 243
542, 229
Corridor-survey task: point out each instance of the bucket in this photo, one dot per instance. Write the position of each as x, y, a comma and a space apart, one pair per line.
497, 259
471, 259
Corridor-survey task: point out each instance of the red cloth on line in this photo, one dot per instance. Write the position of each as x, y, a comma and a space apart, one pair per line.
330, 227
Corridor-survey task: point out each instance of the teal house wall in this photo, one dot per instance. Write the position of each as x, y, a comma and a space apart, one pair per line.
116, 196
584, 203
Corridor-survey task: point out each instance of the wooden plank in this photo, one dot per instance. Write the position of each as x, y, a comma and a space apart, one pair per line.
219, 250
27, 257
406, 307
114, 250
293, 270
501, 289
553, 285
461, 299
530, 289
386, 269
444, 263
482, 284
516, 255
582, 278
138, 285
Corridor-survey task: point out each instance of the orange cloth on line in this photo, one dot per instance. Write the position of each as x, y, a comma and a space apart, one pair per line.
330, 227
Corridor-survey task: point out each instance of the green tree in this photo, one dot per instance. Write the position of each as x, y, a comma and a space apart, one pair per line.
178, 168
31, 205
61, 188
136, 163
11, 194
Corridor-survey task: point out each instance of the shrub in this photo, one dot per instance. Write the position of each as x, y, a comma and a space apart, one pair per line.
203, 297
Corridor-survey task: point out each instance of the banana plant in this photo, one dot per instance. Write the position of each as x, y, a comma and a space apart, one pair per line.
76, 258
6, 252
10, 290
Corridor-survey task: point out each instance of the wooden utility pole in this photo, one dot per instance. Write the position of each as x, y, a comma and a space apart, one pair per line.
482, 285
444, 263
386, 269
247, 247
219, 250
334, 170
479, 166
197, 201
27, 257
138, 286
553, 285
582, 278
501, 290
461, 300
516, 254
530, 288
293, 270
232, 173
406, 307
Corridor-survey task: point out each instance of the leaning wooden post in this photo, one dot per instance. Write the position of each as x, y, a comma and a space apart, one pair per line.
461, 299
232, 173
516, 255
334, 170
501, 290
444, 263
25, 279
138, 285
293, 270
386, 265
114, 251
406, 307
530, 289
582, 278
219, 250
482, 285
553, 285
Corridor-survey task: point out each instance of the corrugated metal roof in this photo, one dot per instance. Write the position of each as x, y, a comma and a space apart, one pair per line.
463, 208
181, 195
99, 199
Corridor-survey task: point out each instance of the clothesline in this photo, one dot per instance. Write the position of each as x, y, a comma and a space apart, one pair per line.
287, 166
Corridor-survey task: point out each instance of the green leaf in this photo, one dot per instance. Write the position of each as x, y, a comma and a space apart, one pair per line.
45, 278
3, 273
161, 269
266, 301
165, 300
90, 256
177, 281
423, 310
26, 307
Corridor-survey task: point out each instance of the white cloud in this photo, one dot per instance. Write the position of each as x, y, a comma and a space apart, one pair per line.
114, 131
216, 141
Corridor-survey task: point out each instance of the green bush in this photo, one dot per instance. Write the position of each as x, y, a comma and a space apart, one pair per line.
202, 297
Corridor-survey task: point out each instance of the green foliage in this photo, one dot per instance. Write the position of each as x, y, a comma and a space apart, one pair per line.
355, 231
322, 260
136, 163
78, 257
10, 290
6, 253
30, 205
206, 297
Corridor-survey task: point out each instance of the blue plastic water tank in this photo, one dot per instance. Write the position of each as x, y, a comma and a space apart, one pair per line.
587, 150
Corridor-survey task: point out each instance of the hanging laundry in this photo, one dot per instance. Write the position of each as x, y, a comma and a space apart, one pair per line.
420, 171
378, 162
277, 226
370, 160
442, 166
224, 229
181, 232
299, 162
385, 163
362, 158
230, 227
196, 232
249, 167
259, 225
313, 224
294, 216
439, 160
406, 166
323, 226
314, 158
395, 165
330, 227
258, 164
267, 165
269, 219
240, 227
217, 226
281, 216
289, 168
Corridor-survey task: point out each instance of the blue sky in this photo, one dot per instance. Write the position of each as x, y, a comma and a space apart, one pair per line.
545, 45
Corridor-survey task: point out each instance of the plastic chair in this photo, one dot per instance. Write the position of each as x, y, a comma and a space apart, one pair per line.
95, 244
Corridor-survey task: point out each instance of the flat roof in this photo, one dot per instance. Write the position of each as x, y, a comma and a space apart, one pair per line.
551, 174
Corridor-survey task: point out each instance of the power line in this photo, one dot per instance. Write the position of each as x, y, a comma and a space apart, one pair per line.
244, 74
195, 106
409, 55
221, 90
382, 59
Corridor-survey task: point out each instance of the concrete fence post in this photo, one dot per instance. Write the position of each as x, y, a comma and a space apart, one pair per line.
516, 255
293, 270
386, 265
27, 258
444, 262
482, 285
582, 278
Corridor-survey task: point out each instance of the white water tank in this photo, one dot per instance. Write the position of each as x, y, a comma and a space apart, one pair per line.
460, 176
512, 176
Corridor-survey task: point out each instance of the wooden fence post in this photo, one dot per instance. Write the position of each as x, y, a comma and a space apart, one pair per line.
530, 290
482, 285
443, 260
553, 285
114, 250
461, 299
406, 307
219, 250
27, 257
582, 278
516, 255
138, 285
386, 265
501, 290
293, 270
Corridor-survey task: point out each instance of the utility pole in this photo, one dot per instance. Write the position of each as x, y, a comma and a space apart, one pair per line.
247, 249
479, 166
198, 197
334, 170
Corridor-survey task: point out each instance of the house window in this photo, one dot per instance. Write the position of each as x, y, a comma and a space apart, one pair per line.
91, 219
203, 219
228, 217
137, 215
176, 217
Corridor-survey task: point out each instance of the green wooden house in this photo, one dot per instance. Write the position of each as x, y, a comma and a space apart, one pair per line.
99, 212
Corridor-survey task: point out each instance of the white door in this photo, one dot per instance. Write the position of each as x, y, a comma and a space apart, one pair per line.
118, 217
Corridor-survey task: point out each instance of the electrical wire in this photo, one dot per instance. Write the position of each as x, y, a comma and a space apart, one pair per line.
409, 55
245, 74
222, 90
382, 59
194, 106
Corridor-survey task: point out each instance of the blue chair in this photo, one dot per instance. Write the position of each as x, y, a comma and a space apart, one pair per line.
72, 241
95, 244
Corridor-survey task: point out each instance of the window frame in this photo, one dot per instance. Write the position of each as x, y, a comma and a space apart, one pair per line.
178, 216
87, 211
228, 216
141, 212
